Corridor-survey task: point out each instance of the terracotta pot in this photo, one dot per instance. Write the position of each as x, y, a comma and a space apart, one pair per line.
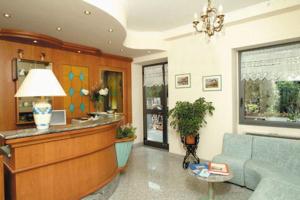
190, 139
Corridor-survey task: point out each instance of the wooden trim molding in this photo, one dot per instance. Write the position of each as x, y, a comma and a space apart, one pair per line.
51, 42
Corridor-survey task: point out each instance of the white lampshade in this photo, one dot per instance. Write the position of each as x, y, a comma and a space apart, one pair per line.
40, 82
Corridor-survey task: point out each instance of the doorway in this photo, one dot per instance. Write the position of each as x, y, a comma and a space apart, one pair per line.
155, 102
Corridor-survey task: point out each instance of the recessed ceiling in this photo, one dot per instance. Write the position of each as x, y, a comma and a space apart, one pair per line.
67, 21
45, 17
149, 15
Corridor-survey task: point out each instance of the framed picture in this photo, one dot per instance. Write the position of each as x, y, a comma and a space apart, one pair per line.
183, 80
212, 83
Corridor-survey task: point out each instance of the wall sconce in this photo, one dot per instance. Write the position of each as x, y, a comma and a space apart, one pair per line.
20, 53
43, 56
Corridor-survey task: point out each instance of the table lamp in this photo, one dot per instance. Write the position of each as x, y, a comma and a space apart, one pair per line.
41, 83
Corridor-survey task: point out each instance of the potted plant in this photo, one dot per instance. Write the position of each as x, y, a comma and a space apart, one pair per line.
124, 141
97, 97
187, 118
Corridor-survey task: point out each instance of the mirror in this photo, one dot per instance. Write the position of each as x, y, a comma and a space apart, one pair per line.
113, 80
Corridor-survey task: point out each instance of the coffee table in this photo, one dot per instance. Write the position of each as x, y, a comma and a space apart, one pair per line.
211, 180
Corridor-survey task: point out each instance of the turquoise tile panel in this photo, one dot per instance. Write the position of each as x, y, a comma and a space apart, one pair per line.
71, 76
82, 107
71, 91
81, 76
71, 107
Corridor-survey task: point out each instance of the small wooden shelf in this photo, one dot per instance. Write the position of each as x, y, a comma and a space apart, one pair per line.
25, 123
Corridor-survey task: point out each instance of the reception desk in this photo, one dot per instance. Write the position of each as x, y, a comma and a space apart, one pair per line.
64, 162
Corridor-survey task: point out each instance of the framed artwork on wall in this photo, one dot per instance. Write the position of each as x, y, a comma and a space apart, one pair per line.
212, 83
183, 80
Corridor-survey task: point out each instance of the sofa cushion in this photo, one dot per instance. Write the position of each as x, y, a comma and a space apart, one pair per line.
237, 146
236, 166
274, 189
256, 170
282, 153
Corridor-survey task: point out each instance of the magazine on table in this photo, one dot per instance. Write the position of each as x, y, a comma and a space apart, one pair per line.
200, 169
218, 168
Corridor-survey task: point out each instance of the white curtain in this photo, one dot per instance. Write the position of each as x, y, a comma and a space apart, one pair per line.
279, 63
153, 76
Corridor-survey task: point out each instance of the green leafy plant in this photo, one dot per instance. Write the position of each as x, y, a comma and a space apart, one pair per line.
125, 131
187, 118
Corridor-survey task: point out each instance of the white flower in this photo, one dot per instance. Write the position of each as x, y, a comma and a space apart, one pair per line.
85, 92
103, 92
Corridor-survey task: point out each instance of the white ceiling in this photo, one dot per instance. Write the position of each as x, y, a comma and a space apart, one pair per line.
161, 15
43, 16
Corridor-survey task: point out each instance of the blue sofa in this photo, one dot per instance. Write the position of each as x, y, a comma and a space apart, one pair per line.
270, 166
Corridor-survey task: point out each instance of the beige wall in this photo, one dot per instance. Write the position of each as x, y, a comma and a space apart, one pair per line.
137, 101
192, 54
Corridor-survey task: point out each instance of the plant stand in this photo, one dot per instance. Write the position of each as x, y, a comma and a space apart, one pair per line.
191, 152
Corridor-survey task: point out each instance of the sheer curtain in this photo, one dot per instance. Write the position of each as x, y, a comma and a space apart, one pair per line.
278, 63
153, 76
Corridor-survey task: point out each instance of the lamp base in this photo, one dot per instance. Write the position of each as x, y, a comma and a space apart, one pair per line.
42, 112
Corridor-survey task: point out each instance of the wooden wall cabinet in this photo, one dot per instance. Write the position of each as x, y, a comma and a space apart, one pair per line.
58, 58
20, 69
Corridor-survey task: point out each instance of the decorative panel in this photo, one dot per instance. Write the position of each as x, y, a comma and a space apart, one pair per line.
75, 79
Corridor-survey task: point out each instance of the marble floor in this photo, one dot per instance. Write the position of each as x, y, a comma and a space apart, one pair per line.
154, 174
155, 135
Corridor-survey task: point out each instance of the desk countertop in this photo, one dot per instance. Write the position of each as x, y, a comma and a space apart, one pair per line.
103, 120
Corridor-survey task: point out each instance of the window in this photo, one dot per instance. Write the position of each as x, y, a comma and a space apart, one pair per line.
270, 85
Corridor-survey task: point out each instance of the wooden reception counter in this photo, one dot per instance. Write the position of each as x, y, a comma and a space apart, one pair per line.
66, 162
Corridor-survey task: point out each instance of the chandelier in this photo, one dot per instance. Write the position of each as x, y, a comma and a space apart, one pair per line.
212, 20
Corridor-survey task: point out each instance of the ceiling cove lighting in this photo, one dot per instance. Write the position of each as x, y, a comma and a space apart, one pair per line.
212, 20
7, 15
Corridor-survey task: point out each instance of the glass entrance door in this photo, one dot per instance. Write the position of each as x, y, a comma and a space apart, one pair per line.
155, 105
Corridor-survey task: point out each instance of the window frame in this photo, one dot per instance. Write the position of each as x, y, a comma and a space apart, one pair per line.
241, 95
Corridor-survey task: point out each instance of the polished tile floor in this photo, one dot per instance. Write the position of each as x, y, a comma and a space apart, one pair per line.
154, 174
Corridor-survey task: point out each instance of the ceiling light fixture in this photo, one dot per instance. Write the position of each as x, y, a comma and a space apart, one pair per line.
86, 12
212, 20
122, 50
110, 30
7, 15
109, 41
78, 51
35, 41
58, 28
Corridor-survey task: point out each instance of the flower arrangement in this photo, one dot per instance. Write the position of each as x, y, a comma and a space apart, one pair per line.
97, 96
125, 131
